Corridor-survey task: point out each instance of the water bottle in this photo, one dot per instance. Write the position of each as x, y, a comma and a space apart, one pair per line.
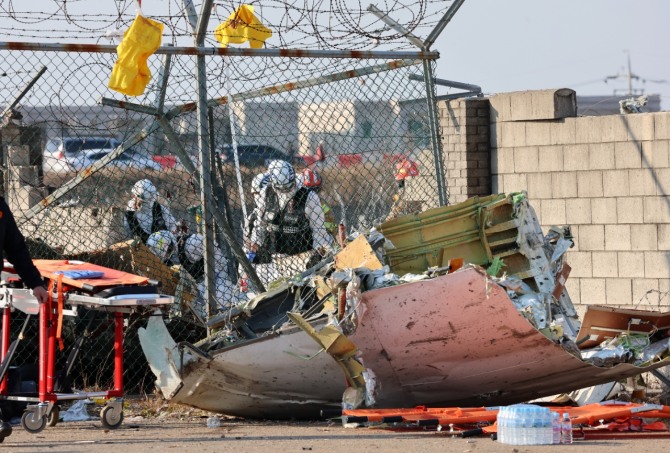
525, 422
556, 428
566, 429
501, 422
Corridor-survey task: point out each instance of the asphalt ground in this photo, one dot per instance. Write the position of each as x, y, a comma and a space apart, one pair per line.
187, 430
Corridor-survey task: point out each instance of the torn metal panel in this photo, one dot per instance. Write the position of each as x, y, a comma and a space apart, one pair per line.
458, 340
283, 375
602, 323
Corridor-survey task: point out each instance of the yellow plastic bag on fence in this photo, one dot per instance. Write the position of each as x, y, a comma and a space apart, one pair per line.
242, 26
131, 73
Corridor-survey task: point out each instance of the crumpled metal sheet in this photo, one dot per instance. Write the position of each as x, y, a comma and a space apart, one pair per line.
454, 340
459, 340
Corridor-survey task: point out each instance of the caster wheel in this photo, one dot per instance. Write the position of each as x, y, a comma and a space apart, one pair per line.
110, 418
31, 423
53, 417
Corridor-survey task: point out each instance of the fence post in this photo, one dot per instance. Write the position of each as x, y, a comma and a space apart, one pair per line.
435, 141
204, 158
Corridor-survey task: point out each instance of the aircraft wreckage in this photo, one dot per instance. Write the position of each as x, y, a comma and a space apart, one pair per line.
460, 305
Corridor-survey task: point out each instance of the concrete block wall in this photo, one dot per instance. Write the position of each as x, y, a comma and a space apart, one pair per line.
465, 143
608, 177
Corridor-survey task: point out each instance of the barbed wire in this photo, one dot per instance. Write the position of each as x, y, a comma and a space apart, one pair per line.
323, 24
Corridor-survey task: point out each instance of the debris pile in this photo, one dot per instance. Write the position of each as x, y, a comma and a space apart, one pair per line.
463, 304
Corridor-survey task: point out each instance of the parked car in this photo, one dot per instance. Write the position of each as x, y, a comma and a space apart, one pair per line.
252, 155
129, 159
74, 154
61, 155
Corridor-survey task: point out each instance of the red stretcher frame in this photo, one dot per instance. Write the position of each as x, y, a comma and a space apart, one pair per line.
49, 321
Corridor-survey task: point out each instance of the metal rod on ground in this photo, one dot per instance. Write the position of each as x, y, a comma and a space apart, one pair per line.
226, 230
435, 133
23, 92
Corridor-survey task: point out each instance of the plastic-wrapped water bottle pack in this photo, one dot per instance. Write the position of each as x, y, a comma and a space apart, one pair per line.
525, 424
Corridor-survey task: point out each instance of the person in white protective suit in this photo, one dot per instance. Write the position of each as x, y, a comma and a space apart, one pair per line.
145, 215
191, 256
163, 244
290, 222
261, 259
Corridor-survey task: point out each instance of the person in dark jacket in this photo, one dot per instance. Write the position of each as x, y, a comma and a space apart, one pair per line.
16, 252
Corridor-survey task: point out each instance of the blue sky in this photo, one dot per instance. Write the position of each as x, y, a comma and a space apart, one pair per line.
532, 44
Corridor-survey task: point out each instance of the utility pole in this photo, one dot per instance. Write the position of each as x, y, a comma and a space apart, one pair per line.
629, 76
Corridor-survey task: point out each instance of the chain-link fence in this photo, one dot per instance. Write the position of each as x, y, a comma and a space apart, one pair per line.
300, 150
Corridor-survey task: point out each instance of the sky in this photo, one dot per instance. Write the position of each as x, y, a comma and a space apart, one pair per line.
513, 45
500, 45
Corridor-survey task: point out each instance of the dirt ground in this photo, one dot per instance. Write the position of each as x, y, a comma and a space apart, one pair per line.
183, 429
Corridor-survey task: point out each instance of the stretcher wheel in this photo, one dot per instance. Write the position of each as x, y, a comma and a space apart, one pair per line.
110, 418
31, 423
53, 417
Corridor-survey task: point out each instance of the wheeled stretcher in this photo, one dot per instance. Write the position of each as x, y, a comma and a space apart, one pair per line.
72, 284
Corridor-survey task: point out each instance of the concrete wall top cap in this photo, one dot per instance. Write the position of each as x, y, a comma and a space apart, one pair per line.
534, 105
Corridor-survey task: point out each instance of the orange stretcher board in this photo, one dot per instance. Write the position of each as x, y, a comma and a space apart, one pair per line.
587, 414
111, 277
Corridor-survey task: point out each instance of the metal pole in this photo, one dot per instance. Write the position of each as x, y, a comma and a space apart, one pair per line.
396, 26
464, 94
204, 158
230, 51
433, 123
159, 102
448, 83
163, 76
453, 8
23, 92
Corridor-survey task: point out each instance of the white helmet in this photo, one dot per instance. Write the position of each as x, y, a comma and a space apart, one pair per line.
194, 247
162, 244
260, 180
282, 175
145, 191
